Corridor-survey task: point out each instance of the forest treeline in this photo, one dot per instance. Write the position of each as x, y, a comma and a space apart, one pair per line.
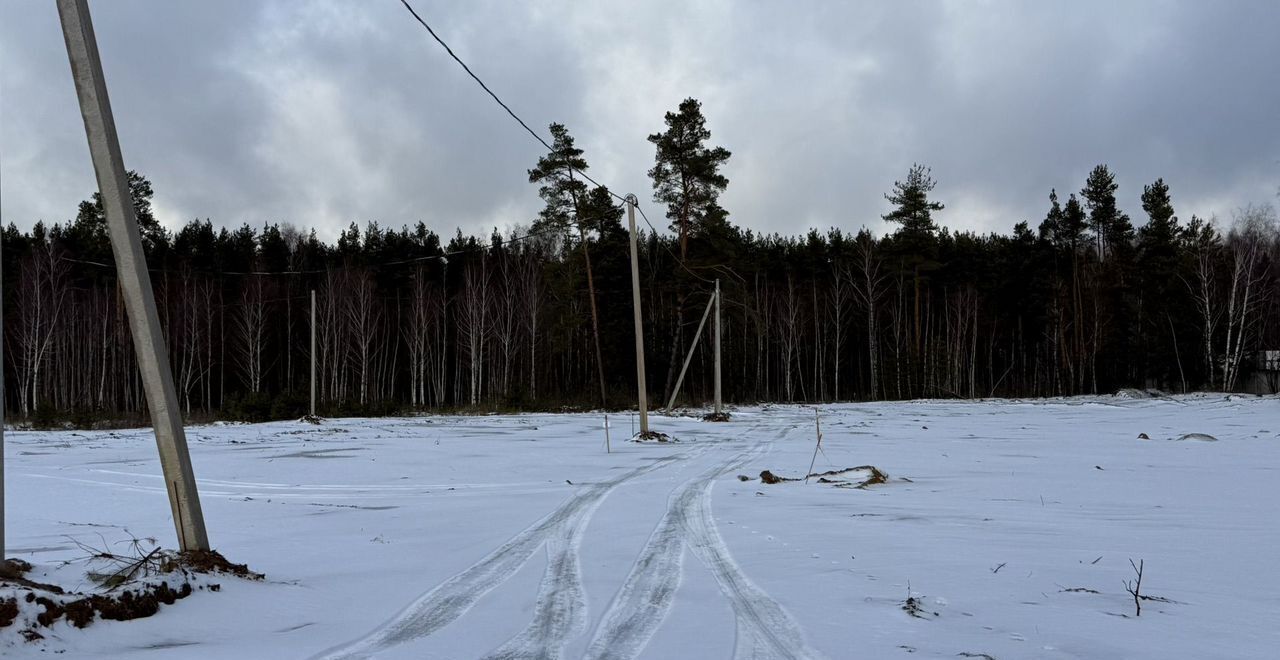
1083, 300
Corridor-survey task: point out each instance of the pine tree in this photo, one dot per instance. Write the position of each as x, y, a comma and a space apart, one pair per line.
686, 172
912, 208
1074, 223
686, 178
1162, 224
563, 193
89, 230
916, 242
1051, 228
1165, 303
1110, 225
559, 188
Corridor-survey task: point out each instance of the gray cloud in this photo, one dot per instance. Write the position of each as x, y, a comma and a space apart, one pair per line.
324, 113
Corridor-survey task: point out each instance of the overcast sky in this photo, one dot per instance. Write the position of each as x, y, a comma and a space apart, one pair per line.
323, 113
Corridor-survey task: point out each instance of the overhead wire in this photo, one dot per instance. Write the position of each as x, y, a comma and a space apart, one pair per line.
495, 97
490, 244
539, 138
678, 260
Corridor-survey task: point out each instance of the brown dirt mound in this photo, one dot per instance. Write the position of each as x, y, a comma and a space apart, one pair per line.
13, 568
833, 477
837, 478
8, 612
210, 561
652, 436
123, 606
771, 478
125, 599
14, 571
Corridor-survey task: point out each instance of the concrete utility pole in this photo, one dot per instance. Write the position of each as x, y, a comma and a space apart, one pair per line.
131, 268
2, 545
719, 402
635, 302
313, 352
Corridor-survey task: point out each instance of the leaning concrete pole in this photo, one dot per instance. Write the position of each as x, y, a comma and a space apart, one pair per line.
131, 268
693, 346
635, 302
2, 545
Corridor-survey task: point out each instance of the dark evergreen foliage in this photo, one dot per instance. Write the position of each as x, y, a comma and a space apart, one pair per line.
1080, 304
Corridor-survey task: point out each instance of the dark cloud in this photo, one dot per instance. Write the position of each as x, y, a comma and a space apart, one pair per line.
326, 113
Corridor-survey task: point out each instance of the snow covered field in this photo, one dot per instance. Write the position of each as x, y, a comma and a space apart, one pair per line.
518, 536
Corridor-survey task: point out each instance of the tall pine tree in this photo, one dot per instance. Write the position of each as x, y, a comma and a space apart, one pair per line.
564, 193
686, 172
686, 178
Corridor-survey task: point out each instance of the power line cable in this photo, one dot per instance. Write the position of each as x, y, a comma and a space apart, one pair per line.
534, 133
499, 101
678, 260
487, 246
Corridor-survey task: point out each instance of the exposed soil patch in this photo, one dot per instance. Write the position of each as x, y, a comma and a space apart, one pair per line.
14, 571
8, 611
846, 478
842, 478
212, 561
124, 605
135, 587
913, 606
652, 436
716, 417
771, 478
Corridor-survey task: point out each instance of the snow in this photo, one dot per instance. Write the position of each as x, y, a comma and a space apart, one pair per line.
518, 536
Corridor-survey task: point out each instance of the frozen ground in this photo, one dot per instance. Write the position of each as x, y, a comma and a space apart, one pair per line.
519, 537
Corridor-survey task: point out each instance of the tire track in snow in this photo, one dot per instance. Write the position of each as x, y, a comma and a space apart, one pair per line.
455, 596
561, 606
764, 629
